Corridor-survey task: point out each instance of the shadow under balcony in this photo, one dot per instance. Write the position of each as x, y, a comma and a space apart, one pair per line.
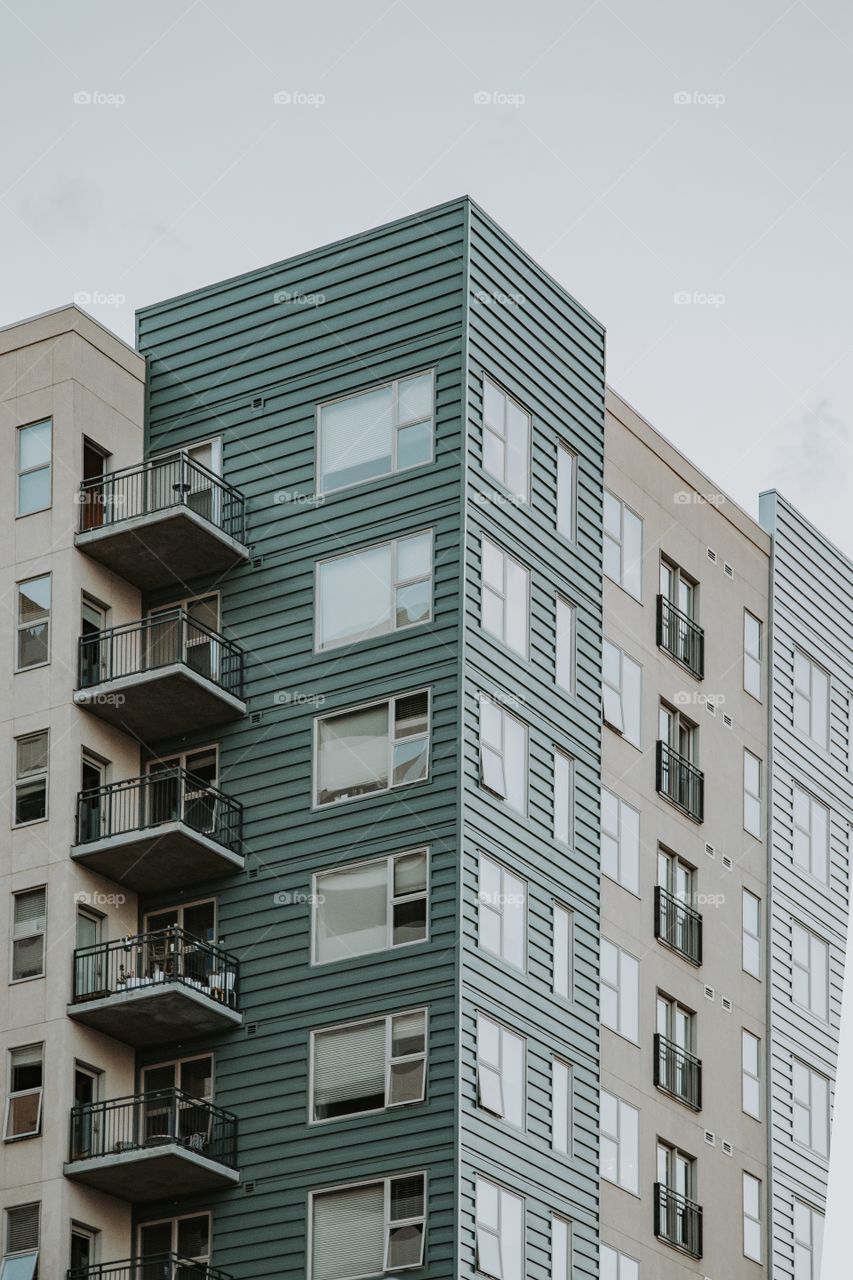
155, 988
153, 1146
165, 830
159, 1266
160, 677
162, 522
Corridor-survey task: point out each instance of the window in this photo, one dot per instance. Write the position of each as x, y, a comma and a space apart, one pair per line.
505, 597
752, 655
368, 1228
24, 1098
811, 835
506, 440
369, 1065
622, 691
620, 841
751, 943
500, 1071
752, 1217
565, 645
375, 591
614, 1265
677, 588
810, 1092
372, 748
31, 755
21, 1252
370, 906
189, 1237
503, 754
500, 1232
675, 1023
676, 1172
561, 1106
677, 732
752, 794
34, 454
84, 1247
564, 798
620, 991
751, 1074
567, 491
811, 700
810, 971
564, 947
623, 546
502, 911
808, 1241
29, 913
33, 623
375, 433
620, 1142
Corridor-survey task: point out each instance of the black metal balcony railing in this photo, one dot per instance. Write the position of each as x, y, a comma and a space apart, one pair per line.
156, 1119
681, 637
680, 781
163, 484
165, 795
678, 926
159, 1266
150, 960
678, 1072
678, 1220
159, 641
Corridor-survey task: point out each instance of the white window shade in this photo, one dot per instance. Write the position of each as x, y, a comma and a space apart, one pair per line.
353, 754
355, 596
352, 918
348, 1237
349, 1070
355, 438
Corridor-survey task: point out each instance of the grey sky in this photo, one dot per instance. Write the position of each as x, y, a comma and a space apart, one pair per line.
738, 197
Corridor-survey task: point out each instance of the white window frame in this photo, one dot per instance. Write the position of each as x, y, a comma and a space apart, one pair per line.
812, 941
564, 798
395, 585
21, 627
618, 1271
752, 1221
816, 1117
563, 923
394, 384
496, 1069
20, 471
390, 1062
618, 1140
806, 696
387, 1223
22, 1093
752, 663
392, 741
807, 834
562, 1107
31, 929
630, 878
812, 1246
502, 594
173, 1224
567, 457
500, 752
504, 439
519, 1271
33, 776
392, 899
619, 543
565, 644
627, 992
750, 1080
507, 892
750, 940
751, 799
617, 720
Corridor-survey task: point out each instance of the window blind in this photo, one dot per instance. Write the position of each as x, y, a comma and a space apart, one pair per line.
348, 1232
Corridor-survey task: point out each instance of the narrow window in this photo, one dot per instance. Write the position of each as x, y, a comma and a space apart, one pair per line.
752, 794
751, 1074
622, 693
564, 797
502, 907
811, 835
34, 467
23, 1102
620, 991
33, 623
623, 546
810, 1092
810, 971
752, 637
567, 471
500, 1232
21, 1252
751, 958
752, 1217
808, 1241
500, 1071
503, 754
505, 597
29, 916
811, 700
619, 1151
563, 956
506, 440
31, 756
561, 1106
620, 841
565, 645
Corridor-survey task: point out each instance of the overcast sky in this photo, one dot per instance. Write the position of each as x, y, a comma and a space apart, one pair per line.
638, 151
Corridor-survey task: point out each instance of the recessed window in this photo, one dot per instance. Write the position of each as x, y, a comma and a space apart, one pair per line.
620, 841
622, 679
751, 957
564, 798
373, 592
31, 757
29, 917
21, 1251
752, 794
613, 1265
751, 1074
561, 1249
370, 906
34, 467
372, 748
808, 1241
752, 650
502, 912
561, 1106
500, 1071
563, 978
24, 1098
565, 645
810, 1092
369, 1065
623, 545
811, 700
809, 971
33, 623
506, 440
505, 598
375, 433
620, 991
619, 1150
500, 1232
368, 1228
503, 754
811, 835
567, 489
752, 1217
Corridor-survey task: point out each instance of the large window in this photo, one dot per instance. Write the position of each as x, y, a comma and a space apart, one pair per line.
752, 1217
33, 623
613, 1265
502, 912
622, 691
620, 991
811, 835
561, 1106
751, 939
506, 440
752, 655
505, 597
620, 841
34, 459
619, 1151
808, 1241
564, 952
189, 1237
567, 488
29, 916
500, 1232
809, 971
751, 1074
369, 1227
623, 545
374, 433
31, 754
500, 1071
369, 1065
370, 906
752, 794
564, 798
24, 1097
503, 754
372, 748
564, 661
810, 1091
811, 700
21, 1246
375, 591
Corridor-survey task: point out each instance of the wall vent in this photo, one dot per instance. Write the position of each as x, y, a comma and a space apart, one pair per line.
727, 720
726, 1003
253, 873
726, 1147
257, 563
710, 707
710, 1138
255, 717
709, 993
712, 555
727, 862
248, 1187
710, 850
257, 404
251, 1028
728, 569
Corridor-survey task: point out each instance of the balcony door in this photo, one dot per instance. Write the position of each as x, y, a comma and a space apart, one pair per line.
82, 1250
187, 1121
93, 777
185, 958
171, 638
185, 797
205, 496
94, 667
86, 1129
89, 968
677, 733
188, 1237
94, 513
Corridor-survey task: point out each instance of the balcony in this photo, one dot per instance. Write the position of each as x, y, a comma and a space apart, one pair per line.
159, 1266
155, 988
153, 1146
165, 830
678, 1073
162, 522
678, 1221
678, 926
160, 677
680, 637
680, 782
